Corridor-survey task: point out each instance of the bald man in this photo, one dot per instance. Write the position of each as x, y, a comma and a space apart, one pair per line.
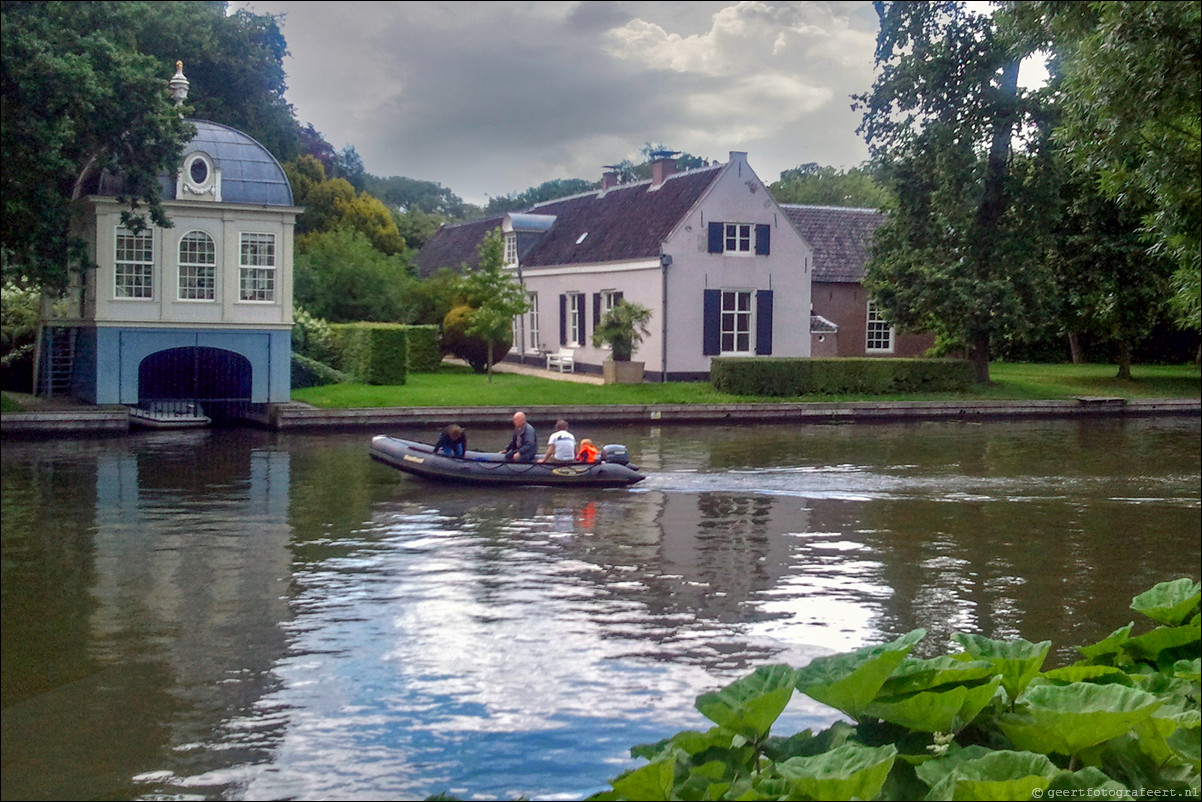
523, 446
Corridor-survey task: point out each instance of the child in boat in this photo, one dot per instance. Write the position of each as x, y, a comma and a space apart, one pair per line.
588, 452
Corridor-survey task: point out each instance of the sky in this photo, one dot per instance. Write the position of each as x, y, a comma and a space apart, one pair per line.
493, 98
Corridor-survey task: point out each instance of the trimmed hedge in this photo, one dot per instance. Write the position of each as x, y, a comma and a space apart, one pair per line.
787, 378
378, 353
308, 372
425, 350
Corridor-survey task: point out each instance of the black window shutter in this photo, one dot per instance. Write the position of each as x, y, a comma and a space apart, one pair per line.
563, 320
711, 339
763, 322
617, 297
716, 236
596, 310
763, 236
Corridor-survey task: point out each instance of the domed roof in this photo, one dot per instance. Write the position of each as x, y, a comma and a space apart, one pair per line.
249, 173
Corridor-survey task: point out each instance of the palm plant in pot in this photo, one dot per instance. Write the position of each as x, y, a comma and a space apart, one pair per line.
622, 329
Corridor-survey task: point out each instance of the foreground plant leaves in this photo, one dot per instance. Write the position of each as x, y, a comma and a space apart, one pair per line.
849, 682
987, 776
749, 706
1065, 719
1017, 661
852, 771
1170, 603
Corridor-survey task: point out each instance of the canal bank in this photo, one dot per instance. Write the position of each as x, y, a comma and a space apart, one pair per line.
72, 420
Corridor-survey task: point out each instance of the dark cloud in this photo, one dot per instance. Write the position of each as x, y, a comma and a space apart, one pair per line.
495, 97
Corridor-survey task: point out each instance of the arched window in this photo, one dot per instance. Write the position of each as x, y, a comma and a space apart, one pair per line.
197, 267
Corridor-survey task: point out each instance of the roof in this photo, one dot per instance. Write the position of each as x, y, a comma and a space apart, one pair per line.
623, 223
839, 237
249, 173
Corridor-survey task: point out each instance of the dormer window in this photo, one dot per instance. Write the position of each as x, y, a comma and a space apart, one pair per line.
511, 250
199, 178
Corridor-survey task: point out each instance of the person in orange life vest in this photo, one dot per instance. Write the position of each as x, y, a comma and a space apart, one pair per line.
588, 452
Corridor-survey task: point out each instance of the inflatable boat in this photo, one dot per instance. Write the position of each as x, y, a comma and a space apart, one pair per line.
479, 467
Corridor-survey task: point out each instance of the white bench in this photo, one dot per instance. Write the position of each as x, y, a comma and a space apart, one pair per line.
564, 359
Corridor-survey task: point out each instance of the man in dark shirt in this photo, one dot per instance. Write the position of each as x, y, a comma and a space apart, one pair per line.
523, 446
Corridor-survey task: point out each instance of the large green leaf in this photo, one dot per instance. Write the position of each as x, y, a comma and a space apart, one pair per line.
1086, 783
652, 782
1170, 603
993, 776
1068, 718
1109, 648
936, 711
1087, 673
914, 674
1018, 661
750, 706
852, 771
849, 682
1163, 643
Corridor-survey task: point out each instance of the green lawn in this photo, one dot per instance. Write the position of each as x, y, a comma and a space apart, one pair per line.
455, 386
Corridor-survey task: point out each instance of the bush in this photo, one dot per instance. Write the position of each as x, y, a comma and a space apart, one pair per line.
788, 378
470, 348
307, 372
425, 352
378, 353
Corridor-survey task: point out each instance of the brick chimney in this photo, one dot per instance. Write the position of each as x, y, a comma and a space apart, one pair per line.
663, 164
609, 180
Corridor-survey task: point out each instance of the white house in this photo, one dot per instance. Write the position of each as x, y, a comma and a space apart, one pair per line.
709, 251
198, 312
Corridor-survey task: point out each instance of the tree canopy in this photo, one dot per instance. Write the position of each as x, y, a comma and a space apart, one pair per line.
826, 186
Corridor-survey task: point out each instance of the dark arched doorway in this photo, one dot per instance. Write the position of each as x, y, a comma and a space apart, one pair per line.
217, 380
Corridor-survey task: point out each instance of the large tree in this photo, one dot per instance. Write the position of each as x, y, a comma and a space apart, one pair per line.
825, 186
78, 98
84, 90
960, 255
495, 296
1131, 105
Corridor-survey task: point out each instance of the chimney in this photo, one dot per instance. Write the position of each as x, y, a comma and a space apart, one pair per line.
609, 180
663, 164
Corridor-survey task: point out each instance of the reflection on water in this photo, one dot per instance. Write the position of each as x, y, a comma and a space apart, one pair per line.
249, 615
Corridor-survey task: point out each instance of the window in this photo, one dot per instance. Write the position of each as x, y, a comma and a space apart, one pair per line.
740, 239
736, 321
737, 238
532, 341
257, 268
197, 267
511, 250
576, 331
609, 299
134, 263
878, 332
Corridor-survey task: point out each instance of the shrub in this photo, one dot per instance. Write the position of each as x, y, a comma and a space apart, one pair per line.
788, 378
470, 348
378, 353
425, 352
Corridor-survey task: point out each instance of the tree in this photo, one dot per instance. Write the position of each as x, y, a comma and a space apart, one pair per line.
332, 203
546, 191
78, 99
1130, 102
341, 277
495, 295
960, 255
826, 186
406, 194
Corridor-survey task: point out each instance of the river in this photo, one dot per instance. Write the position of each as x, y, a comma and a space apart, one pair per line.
243, 614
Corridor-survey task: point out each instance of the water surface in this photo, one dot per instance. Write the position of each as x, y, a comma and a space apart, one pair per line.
253, 615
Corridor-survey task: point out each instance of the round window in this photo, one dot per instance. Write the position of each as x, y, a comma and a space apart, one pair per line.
199, 170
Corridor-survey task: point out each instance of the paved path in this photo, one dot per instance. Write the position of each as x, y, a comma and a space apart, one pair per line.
535, 370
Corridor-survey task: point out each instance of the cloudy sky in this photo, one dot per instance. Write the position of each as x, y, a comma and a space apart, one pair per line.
491, 98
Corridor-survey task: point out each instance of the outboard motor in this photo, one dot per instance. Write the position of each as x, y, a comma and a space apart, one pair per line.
615, 453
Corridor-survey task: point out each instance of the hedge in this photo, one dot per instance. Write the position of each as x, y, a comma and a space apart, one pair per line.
787, 378
378, 353
425, 354
308, 372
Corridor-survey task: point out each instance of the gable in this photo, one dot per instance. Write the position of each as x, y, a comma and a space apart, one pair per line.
839, 237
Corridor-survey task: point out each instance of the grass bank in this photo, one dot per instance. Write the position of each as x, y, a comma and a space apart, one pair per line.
458, 386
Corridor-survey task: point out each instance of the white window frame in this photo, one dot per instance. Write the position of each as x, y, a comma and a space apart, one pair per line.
533, 345
511, 250
257, 254
133, 265
576, 319
609, 299
197, 280
737, 323
738, 239
878, 334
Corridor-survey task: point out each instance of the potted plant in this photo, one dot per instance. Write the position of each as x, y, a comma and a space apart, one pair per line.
622, 329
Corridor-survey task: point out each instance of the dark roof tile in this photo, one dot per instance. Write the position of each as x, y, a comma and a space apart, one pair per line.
839, 237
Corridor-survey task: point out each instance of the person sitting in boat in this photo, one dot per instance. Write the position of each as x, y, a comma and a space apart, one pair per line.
561, 445
523, 446
588, 452
452, 442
